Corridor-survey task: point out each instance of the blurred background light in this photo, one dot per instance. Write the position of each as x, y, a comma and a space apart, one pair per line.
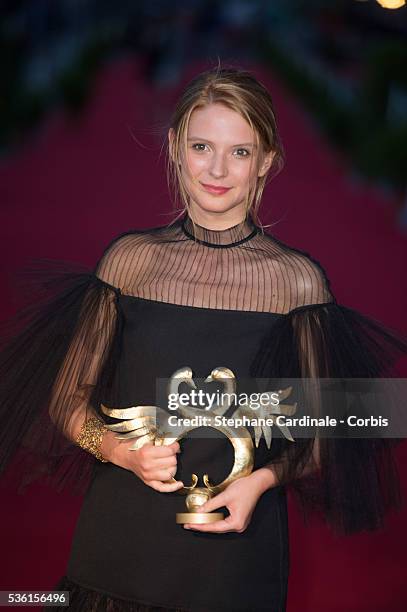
391, 4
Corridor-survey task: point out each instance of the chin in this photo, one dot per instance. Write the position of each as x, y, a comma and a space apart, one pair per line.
214, 204
215, 209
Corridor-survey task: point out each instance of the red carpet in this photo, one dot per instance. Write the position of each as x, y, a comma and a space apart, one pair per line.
82, 181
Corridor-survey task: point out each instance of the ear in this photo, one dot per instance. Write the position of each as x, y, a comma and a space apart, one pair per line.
268, 160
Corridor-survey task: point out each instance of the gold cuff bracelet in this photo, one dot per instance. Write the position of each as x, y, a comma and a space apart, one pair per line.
90, 437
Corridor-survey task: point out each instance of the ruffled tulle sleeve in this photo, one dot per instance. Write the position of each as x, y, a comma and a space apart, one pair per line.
57, 358
354, 480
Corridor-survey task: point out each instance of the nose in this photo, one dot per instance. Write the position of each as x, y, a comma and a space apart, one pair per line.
218, 167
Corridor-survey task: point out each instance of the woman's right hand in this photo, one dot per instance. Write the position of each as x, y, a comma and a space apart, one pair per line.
152, 464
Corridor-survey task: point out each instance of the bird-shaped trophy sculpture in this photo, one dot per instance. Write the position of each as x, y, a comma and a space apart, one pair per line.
140, 423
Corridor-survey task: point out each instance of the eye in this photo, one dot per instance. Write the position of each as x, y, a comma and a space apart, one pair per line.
200, 147
246, 153
198, 144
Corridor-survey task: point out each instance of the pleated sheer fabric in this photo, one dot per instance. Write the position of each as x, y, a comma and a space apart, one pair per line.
51, 358
58, 354
357, 482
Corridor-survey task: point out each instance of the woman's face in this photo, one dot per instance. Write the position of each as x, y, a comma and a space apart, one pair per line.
221, 152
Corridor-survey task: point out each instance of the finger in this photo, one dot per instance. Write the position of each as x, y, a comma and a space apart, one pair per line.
162, 451
217, 527
165, 463
218, 501
158, 471
162, 475
163, 487
132, 440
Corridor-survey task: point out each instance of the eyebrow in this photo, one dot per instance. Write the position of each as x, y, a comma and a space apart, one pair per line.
242, 144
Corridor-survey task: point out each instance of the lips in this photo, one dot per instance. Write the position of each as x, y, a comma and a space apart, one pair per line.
214, 189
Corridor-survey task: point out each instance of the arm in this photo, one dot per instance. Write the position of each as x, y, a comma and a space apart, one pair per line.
77, 421
51, 360
74, 384
269, 476
70, 403
154, 465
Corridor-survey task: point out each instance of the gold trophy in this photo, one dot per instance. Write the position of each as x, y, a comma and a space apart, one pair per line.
140, 422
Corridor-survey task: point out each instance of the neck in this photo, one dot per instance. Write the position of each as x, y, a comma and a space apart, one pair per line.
225, 234
217, 221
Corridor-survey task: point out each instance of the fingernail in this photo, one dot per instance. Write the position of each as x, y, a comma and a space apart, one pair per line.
186, 527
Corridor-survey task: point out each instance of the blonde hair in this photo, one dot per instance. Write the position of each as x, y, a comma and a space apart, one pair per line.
240, 91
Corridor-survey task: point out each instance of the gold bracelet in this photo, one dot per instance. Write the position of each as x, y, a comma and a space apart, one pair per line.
90, 437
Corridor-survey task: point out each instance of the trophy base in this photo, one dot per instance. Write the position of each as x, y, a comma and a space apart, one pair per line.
198, 518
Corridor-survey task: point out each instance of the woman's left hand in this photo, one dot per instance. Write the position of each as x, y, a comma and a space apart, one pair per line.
240, 498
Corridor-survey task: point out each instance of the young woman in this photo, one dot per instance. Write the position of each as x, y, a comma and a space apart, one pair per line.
209, 290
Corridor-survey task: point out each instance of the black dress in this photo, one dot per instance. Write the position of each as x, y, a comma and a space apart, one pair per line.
159, 300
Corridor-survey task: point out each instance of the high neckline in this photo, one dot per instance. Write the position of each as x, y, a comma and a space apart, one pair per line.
231, 236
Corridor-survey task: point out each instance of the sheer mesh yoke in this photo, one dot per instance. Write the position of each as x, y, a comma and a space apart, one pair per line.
239, 268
